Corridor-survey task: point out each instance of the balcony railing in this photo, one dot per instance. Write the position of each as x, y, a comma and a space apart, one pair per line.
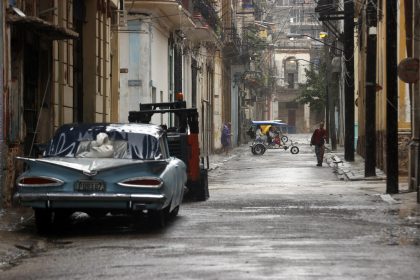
230, 36
188, 5
205, 8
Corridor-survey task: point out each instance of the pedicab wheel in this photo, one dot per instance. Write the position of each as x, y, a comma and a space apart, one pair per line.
258, 149
294, 150
284, 138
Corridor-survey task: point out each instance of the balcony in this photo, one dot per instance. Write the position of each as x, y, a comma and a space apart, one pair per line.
206, 20
253, 79
205, 8
198, 19
164, 10
231, 41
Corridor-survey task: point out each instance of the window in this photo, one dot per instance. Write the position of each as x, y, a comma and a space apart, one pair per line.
153, 95
290, 72
291, 80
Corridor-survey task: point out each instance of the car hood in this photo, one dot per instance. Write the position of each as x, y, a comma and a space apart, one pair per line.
88, 165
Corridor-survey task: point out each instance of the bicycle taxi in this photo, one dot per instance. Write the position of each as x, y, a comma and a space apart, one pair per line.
277, 139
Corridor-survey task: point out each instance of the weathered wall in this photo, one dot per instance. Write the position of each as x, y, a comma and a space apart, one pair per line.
403, 150
96, 64
134, 54
404, 106
217, 103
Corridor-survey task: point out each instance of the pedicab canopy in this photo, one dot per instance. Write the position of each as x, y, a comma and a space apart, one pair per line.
265, 125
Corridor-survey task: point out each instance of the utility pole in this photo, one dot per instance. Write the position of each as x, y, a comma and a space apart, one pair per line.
370, 105
332, 91
349, 80
392, 98
2, 148
332, 96
329, 108
327, 93
414, 171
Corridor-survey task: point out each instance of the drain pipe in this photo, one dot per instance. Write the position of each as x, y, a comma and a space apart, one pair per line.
2, 159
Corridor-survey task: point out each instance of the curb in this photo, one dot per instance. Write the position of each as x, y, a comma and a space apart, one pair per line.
352, 171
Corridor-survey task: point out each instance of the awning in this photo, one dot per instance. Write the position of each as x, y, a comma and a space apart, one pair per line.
42, 27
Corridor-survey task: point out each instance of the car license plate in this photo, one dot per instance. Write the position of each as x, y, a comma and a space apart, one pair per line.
89, 186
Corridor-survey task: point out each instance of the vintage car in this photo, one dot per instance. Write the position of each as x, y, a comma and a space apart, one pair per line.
100, 169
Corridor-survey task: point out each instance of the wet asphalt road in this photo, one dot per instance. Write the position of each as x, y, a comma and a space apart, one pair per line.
275, 216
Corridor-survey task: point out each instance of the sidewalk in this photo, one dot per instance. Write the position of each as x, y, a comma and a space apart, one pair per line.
352, 171
13, 244
355, 171
217, 160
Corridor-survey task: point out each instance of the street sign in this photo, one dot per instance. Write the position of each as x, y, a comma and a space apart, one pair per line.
408, 70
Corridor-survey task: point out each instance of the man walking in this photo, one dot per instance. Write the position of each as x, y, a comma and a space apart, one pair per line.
318, 139
225, 139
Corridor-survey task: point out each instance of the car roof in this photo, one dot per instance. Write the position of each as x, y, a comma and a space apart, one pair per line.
148, 129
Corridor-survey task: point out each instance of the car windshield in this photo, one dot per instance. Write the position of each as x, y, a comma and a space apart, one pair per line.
103, 142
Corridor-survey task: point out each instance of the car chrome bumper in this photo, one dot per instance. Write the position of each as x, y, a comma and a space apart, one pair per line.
135, 198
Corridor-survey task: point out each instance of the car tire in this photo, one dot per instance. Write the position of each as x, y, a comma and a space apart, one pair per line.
174, 212
157, 218
202, 190
294, 150
44, 219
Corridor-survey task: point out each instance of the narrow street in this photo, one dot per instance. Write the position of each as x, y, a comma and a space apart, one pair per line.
276, 216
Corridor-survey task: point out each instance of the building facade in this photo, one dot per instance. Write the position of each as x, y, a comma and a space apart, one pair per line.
171, 47
57, 59
373, 19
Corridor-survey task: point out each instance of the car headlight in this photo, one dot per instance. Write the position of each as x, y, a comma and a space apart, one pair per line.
39, 181
141, 182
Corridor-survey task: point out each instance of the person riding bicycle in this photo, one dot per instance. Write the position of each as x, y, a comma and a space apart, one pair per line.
271, 134
276, 136
259, 135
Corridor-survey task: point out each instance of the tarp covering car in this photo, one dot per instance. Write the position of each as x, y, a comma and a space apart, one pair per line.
124, 141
